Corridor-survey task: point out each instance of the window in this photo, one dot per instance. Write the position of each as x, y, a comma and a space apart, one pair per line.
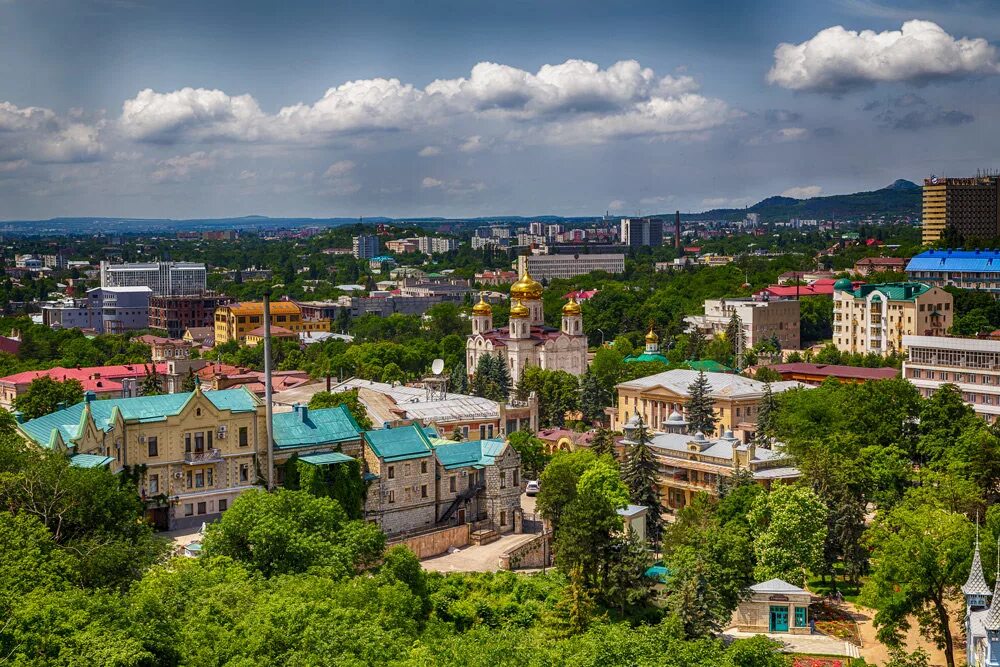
202, 509
209, 434
482, 431
392, 496
152, 449
244, 472
503, 517
406, 470
188, 509
423, 467
189, 479
199, 442
503, 479
223, 505
517, 481
154, 484
197, 412
199, 479
423, 490
800, 617
208, 477
392, 472
187, 442
452, 484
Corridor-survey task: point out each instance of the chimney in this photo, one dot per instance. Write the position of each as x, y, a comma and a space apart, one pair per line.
89, 396
302, 411
19, 417
677, 230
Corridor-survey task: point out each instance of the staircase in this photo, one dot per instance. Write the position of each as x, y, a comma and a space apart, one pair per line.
463, 496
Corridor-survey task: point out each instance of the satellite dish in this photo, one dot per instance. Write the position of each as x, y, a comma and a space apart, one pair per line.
437, 366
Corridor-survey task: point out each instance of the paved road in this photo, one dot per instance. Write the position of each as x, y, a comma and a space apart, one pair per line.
815, 643
476, 559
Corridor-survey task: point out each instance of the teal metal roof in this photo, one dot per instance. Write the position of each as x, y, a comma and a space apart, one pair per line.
895, 291
659, 573
325, 459
90, 461
476, 453
398, 444
69, 421
708, 365
645, 356
319, 427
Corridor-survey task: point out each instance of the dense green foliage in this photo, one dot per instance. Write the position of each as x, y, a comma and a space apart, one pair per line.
325, 399
45, 395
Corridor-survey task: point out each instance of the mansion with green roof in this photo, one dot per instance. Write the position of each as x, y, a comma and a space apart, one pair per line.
875, 318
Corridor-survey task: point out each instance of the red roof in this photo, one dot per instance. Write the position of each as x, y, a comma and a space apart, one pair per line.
817, 287
93, 378
836, 371
580, 295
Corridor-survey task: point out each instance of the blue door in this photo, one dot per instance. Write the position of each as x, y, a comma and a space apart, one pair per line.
779, 619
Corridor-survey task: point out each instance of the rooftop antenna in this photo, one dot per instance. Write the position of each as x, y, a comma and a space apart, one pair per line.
436, 385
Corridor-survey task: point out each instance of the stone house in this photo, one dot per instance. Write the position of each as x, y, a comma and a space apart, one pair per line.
774, 606
400, 465
479, 480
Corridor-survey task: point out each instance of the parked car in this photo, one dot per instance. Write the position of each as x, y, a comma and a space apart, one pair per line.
531, 488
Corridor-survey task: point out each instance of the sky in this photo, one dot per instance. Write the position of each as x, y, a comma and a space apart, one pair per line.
202, 108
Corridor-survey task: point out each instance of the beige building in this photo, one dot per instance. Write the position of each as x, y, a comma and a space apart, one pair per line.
762, 320
774, 607
875, 318
656, 397
971, 364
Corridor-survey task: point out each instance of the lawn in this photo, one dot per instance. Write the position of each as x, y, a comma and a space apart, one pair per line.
849, 591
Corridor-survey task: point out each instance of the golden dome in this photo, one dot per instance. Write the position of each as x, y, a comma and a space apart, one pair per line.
519, 310
526, 288
482, 308
572, 307
651, 337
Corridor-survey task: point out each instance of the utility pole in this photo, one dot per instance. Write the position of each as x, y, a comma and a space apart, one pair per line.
268, 410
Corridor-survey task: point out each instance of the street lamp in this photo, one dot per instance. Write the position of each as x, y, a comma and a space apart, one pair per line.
602, 336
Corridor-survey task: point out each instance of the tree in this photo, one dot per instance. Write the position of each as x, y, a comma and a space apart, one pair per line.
736, 337
293, 531
694, 601
190, 381
789, 527
640, 473
531, 450
593, 398
458, 380
349, 399
152, 384
626, 585
766, 415
920, 556
696, 344
603, 443
701, 406
500, 379
45, 395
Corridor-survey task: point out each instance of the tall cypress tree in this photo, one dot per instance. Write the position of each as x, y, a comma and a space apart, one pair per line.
766, 414
592, 397
701, 412
481, 378
501, 380
639, 474
151, 384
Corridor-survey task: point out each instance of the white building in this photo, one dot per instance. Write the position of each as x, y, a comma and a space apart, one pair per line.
364, 246
971, 364
432, 245
163, 278
762, 320
547, 267
526, 341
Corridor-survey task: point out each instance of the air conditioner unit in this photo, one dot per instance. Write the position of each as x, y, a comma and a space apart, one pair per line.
222, 431
178, 475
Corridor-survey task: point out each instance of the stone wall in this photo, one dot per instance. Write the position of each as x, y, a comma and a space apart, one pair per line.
436, 542
531, 554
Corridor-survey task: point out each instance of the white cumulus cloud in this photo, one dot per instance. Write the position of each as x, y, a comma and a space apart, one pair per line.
803, 192
191, 114
181, 167
429, 151
40, 135
836, 60
430, 182
338, 169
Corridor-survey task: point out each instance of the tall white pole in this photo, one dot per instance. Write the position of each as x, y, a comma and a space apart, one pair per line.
268, 411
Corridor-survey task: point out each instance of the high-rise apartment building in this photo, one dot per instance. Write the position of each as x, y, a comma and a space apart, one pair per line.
877, 318
969, 206
177, 314
163, 278
637, 232
365, 246
567, 266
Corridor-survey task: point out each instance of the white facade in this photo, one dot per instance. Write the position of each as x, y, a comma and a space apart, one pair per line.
971, 364
364, 246
762, 320
163, 278
546, 267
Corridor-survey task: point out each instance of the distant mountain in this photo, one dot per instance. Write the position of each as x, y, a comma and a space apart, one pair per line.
901, 198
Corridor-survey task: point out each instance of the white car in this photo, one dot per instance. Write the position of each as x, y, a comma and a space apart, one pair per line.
531, 488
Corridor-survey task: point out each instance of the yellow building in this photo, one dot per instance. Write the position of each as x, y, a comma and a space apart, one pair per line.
656, 397
236, 320
875, 318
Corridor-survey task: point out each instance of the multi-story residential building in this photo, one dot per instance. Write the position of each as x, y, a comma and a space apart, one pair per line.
104, 310
176, 314
234, 321
971, 364
402, 246
163, 278
763, 319
968, 269
478, 480
637, 232
432, 245
546, 267
104, 381
690, 464
656, 397
969, 206
868, 265
875, 318
166, 349
364, 246
402, 469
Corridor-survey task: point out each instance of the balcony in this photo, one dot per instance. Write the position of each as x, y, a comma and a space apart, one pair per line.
213, 455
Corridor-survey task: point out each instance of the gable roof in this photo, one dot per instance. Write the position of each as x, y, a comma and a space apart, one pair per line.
475, 453
778, 586
399, 444
721, 384
316, 427
326, 459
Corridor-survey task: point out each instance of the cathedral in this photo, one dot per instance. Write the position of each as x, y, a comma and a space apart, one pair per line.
526, 341
982, 615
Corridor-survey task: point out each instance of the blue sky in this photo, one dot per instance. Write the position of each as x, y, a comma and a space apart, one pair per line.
190, 109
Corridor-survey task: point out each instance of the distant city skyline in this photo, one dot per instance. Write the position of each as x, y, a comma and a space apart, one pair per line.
216, 109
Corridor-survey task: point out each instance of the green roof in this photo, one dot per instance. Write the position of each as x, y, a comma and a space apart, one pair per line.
325, 459
68, 422
90, 461
645, 356
708, 366
318, 427
399, 444
907, 291
476, 453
